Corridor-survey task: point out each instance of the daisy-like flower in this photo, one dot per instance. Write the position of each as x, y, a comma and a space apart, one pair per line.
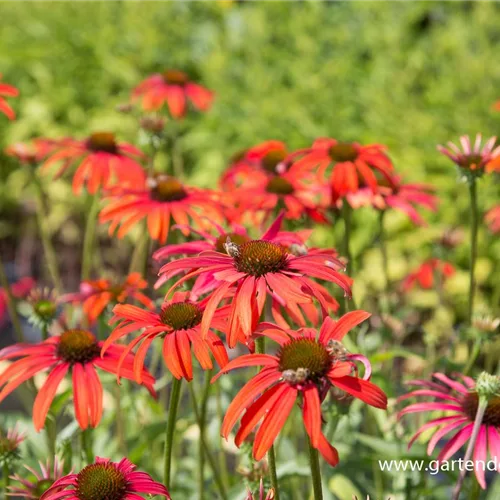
102, 161
260, 268
178, 324
7, 91
306, 365
95, 296
19, 290
473, 159
351, 164
268, 157
161, 200
173, 88
425, 274
42, 304
9, 445
493, 219
39, 483
76, 351
34, 152
106, 480
459, 399
397, 195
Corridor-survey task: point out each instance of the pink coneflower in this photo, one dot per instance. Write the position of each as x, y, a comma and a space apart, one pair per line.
102, 161
260, 268
77, 352
106, 480
9, 445
7, 91
261, 494
399, 196
473, 159
492, 218
307, 364
173, 88
459, 399
178, 325
161, 200
19, 290
36, 486
425, 275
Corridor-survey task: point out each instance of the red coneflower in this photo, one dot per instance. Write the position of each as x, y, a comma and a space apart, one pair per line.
102, 162
33, 152
173, 88
425, 274
259, 268
473, 159
351, 163
76, 351
7, 91
307, 365
39, 483
399, 196
492, 218
96, 295
459, 400
19, 290
178, 324
107, 480
161, 199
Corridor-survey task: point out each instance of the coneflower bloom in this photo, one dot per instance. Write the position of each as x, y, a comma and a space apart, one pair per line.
39, 483
107, 480
32, 153
261, 495
96, 295
9, 446
259, 268
399, 196
7, 91
19, 290
76, 351
173, 88
305, 367
42, 304
351, 163
161, 200
472, 159
178, 324
459, 399
268, 157
425, 275
102, 162
493, 219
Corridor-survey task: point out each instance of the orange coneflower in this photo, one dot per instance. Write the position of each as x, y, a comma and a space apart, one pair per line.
492, 218
107, 480
173, 88
96, 295
178, 323
425, 275
306, 365
33, 152
161, 199
76, 351
102, 162
351, 163
260, 268
7, 91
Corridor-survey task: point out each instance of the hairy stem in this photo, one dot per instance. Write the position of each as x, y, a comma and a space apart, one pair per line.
315, 472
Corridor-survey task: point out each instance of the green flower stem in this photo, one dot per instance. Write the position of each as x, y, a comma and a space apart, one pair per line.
89, 238
48, 248
315, 472
202, 424
87, 446
6, 481
205, 448
383, 250
169, 433
473, 245
483, 404
347, 216
11, 304
221, 455
476, 349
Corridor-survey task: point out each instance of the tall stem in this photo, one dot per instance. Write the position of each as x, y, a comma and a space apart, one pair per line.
221, 454
473, 245
11, 304
48, 248
202, 423
476, 349
6, 473
87, 445
89, 238
315, 472
483, 404
169, 433
213, 466
347, 216
383, 249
